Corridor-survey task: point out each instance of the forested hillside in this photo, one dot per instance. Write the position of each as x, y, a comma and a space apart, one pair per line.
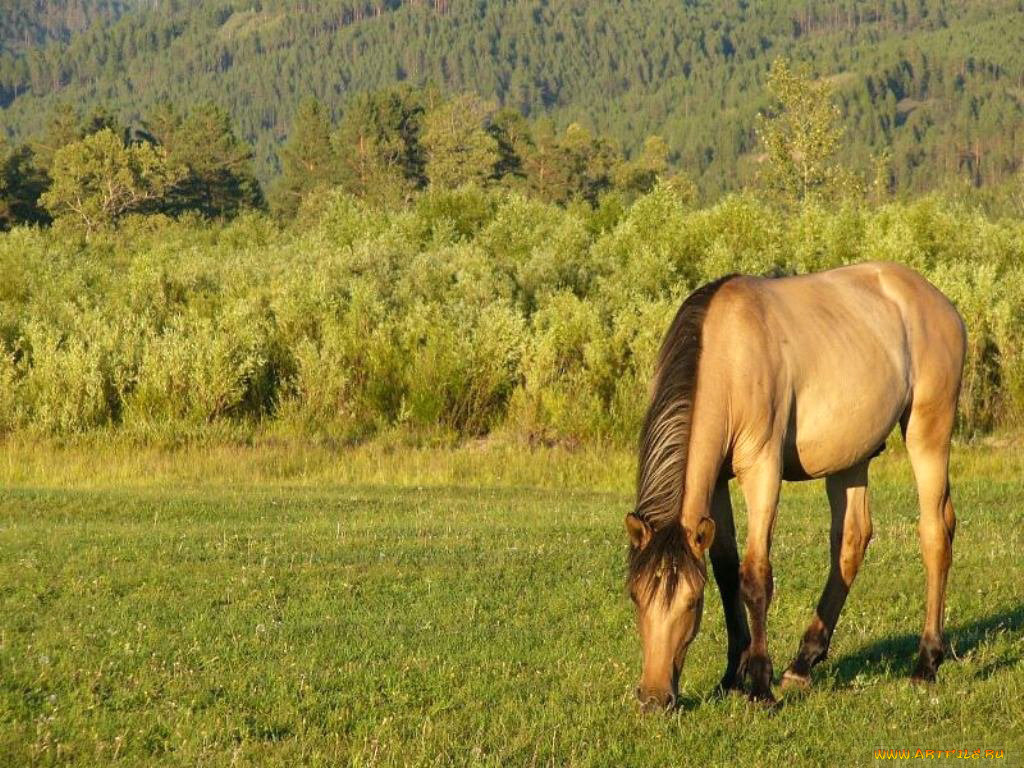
28, 24
939, 83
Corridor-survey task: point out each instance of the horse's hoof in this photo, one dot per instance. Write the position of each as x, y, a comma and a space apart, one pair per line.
923, 679
791, 681
766, 701
724, 689
927, 666
764, 697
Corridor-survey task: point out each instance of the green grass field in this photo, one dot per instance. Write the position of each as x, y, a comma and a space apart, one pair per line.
298, 606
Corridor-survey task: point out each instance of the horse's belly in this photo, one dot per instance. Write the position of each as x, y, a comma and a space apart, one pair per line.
831, 433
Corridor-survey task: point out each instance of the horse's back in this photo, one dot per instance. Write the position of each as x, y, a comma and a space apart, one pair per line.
838, 355
934, 337
853, 314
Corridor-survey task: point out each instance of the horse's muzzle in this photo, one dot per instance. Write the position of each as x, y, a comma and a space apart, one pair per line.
652, 700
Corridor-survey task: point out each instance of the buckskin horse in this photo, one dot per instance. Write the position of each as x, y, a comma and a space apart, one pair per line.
786, 378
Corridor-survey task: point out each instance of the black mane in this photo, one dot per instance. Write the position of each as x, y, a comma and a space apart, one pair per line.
665, 441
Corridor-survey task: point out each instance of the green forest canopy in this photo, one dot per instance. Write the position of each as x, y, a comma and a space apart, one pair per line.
939, 83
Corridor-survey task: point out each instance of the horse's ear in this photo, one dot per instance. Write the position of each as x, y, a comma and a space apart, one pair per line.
703, 535
639, 531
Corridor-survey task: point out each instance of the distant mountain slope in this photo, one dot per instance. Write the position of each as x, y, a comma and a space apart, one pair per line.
940, 82
27, 24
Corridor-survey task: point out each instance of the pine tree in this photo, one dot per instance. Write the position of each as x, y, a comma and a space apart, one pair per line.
63, 128
377, 145
101, 118
640, 175
512, 132
21, 184
307, 159
161, 125
219, 181
592, 163
547, 167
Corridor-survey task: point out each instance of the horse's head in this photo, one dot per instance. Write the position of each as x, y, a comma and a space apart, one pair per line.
666, 582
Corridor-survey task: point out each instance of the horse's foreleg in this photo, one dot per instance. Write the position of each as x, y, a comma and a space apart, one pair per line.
761, 490
726, 564
927, 438
851, 531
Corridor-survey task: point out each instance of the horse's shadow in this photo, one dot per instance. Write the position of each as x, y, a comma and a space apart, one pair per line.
895, 655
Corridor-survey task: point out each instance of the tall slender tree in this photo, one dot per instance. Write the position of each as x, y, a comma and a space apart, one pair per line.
512, 132
378, 147
642, 172
802, 137
64, 127
307, 158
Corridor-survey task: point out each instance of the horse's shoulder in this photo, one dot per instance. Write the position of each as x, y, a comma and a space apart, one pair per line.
740, 310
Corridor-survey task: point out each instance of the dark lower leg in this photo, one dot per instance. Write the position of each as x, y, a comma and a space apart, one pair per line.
756, 586
851, 531
727, 574
815, 642
725, 563
813, 649
929, 657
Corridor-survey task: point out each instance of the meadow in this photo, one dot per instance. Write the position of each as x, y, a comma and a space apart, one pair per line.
350, 490
296, 604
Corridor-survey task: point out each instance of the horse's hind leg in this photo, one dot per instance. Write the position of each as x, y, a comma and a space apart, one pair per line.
851, 531
726, 564
927, 433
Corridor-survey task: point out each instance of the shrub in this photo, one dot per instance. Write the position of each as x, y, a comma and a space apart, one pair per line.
473, 311
463, 366
69, 383
200, 369
9, 395
559, 399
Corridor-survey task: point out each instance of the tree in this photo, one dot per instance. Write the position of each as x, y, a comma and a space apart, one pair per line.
801, 139
67, 126
63, 128
307, 159
458, 147
642, 173
592, 163
572, 166
881, 183
161, 125
21, 184
546, 167
219, 181
906, 87
378, 147
101, 118
99, 179
512, 132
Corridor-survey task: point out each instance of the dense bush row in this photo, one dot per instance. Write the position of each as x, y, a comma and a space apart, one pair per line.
471, 313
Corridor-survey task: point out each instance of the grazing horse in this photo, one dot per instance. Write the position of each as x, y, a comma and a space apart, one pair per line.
766, 379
